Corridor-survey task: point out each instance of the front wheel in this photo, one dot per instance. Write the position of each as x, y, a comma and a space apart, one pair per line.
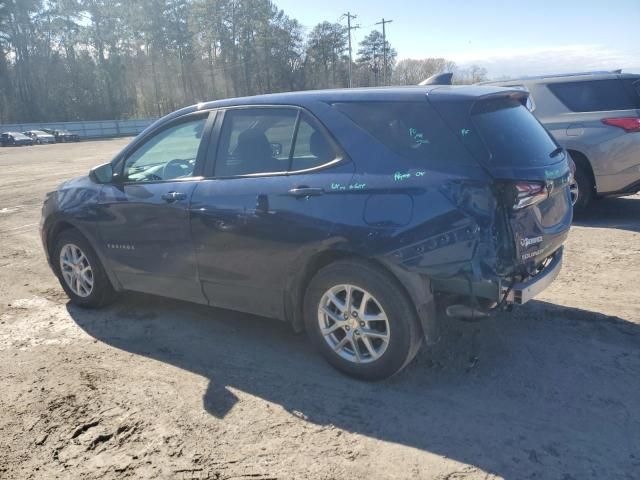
80, 272
361, 320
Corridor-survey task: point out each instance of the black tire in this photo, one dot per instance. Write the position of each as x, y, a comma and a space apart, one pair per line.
586, 190
405, 334
102, 292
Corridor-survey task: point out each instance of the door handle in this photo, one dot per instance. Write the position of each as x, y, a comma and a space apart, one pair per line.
171, 197
303, 192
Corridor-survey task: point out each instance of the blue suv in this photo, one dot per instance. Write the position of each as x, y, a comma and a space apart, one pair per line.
361, 216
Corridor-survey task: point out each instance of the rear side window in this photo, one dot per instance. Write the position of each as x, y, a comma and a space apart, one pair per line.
270, 140
312, 147
633, 88
510, 133
594, 96
412, 130
255, 141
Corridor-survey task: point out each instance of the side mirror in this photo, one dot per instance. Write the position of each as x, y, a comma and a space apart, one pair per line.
102, 173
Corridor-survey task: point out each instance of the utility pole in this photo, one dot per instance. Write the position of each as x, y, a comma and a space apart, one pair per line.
375, 66
349, 28
384, 42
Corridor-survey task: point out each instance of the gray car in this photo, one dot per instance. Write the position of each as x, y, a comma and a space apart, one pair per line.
39, 137
596, 117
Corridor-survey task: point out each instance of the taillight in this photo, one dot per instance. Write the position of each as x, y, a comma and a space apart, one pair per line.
628, 124
529, 193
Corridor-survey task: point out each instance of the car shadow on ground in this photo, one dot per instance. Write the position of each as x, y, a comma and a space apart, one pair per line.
547, 392
621, 213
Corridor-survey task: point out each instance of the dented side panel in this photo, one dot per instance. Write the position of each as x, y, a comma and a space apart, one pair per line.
448, 232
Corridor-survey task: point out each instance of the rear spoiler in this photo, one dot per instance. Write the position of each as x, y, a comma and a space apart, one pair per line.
438, 79
462, 106
516, 94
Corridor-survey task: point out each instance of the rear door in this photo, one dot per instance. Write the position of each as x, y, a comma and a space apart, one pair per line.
531, 174
265, 205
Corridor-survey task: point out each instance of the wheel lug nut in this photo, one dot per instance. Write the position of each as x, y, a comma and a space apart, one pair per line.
355, 314
347, 328
362, 324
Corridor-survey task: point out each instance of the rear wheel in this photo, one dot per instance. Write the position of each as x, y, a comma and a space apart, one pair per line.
361, 321
582, 190
80, 272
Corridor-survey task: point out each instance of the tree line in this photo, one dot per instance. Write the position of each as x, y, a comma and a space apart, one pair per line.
63, 60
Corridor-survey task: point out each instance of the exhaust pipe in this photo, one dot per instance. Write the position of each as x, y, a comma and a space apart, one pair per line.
465, 312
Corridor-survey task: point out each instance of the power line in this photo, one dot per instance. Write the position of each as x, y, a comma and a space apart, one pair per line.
349, 28
384, 43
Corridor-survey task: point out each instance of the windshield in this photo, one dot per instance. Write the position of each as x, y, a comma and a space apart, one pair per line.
18, 136
510, 134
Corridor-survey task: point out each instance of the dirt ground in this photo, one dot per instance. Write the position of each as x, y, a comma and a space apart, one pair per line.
153, 388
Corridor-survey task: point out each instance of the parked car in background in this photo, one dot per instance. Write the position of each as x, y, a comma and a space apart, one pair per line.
15, 139
355, 214
596, 117
39, 137
63, 135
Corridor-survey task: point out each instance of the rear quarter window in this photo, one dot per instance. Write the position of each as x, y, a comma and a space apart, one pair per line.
412, 130
595, 95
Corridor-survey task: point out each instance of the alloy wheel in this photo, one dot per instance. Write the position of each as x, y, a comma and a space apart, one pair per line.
574, 190
353, 323
76, 270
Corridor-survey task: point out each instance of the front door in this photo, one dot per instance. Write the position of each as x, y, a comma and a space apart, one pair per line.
145, 215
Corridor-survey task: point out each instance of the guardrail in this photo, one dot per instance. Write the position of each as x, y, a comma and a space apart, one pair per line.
93, 129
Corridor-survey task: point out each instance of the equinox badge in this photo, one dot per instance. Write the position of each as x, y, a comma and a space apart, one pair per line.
526, 242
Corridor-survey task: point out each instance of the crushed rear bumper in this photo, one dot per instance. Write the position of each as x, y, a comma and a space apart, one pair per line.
494, 289
522, 292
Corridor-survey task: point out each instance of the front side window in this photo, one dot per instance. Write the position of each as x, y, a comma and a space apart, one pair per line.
169, 155
269, 140
594, 96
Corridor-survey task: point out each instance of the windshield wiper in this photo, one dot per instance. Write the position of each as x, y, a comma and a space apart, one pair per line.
556, 152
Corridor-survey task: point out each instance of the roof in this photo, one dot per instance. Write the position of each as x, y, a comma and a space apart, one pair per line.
561, 77
407, 93
309, 97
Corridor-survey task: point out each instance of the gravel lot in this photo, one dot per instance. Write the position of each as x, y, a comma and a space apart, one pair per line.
153, 388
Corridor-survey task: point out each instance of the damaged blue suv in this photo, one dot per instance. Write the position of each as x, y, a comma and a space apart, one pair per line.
361, 216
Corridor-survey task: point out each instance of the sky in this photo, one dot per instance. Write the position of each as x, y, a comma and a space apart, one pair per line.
508, 38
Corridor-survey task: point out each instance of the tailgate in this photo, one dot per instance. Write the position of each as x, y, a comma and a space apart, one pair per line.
530, 171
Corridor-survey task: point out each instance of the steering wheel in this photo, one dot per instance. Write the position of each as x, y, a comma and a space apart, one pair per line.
177, 168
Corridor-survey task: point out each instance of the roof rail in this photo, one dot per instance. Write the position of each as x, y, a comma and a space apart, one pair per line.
557, 75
